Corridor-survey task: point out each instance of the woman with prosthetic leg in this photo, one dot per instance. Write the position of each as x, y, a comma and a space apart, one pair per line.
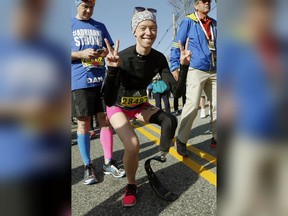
129, 73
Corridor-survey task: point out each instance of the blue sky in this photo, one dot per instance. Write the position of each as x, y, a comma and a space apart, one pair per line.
116, 15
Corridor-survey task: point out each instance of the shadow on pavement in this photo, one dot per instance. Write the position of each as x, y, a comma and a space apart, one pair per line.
177, 178
174, 176
200, 130
78, 172
204, 145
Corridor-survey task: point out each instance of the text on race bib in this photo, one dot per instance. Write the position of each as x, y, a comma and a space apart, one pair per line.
93, 63
133, 101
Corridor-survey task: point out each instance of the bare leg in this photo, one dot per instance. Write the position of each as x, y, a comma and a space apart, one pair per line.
202, 102
130, 141
83, 125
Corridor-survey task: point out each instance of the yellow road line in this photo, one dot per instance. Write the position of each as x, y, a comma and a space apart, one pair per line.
201, 170
200, 153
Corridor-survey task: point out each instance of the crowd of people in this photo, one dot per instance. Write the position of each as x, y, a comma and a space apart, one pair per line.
112, 86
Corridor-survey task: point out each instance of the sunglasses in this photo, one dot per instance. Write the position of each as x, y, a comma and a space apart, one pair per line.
204, 1
89, 1
140, 9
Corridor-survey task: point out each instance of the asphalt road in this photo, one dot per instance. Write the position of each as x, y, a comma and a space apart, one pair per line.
192, 178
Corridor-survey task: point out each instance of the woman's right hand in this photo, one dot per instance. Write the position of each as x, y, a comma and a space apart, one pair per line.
112, 59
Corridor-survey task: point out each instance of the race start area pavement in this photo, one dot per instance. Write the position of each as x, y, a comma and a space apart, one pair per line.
193, 178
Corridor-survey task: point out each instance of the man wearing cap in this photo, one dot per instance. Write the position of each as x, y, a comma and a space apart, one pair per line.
201, 30
128, 76
88, 71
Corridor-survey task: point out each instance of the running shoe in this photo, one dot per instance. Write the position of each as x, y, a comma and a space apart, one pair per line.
73, 142
112, 169
181, 148
129, 198
73, 121
89, 175
213, 143
202, 113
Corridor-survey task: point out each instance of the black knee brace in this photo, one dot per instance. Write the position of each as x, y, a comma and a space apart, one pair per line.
168, 124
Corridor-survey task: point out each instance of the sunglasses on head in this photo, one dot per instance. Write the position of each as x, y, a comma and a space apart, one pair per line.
140, 9
204, 1
89, 1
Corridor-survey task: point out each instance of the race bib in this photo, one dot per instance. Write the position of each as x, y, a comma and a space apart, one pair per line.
93, 63
132, 98
133, 101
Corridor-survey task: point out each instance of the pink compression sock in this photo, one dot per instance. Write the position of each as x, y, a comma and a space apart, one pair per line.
106, 140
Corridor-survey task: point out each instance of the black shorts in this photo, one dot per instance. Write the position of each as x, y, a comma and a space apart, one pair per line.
87, 102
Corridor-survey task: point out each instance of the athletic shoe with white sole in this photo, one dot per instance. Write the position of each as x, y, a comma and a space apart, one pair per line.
89, 175
112, 169
202, 113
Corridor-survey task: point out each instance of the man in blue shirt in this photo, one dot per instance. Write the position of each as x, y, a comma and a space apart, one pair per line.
88, 71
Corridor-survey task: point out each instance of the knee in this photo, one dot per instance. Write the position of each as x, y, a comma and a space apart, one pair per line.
167, 121
83, 123
170, 120
132, 147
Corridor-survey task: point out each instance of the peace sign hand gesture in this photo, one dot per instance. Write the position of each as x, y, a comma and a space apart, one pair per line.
185, 54
112, 59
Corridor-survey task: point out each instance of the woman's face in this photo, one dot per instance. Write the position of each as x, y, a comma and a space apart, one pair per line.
146, 33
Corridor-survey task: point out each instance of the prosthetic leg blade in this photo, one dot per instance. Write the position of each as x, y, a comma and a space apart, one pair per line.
156, 185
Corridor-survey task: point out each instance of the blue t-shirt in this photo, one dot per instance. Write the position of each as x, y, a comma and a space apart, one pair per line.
88, 34
36, 73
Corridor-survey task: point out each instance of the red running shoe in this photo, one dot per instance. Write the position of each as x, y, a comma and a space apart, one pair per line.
129, 198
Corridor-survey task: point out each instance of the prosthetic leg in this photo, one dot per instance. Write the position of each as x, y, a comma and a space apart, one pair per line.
168, 125
155, 183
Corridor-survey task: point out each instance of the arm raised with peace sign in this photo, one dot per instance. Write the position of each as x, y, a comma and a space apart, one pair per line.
185, 57
112, 59
185, 53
